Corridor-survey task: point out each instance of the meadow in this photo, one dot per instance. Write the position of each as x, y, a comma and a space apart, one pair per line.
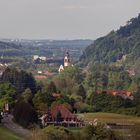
111, 118
6, 134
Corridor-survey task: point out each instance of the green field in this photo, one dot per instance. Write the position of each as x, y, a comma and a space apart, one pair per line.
111, 118
6, 134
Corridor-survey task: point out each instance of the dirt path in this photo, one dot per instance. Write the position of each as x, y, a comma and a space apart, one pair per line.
7, 122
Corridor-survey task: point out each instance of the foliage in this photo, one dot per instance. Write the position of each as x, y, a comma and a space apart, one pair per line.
81, 92
27, 95
88, 132
58, 133
6, 134
105, 77
24, 113
97, 133
7, 94
42, 101
52, 88
137, 101
107, 103
20, 79
67, 80
82, 107
121, 46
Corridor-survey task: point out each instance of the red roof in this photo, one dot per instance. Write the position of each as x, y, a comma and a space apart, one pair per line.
56, 94
65, 113
117, 92
40, 77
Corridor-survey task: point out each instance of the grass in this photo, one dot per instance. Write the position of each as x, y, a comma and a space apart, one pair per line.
111, 118
75, 129
6, 134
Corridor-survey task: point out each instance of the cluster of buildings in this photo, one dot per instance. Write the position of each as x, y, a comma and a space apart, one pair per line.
122, 93
52, 61
45, 74
39, 58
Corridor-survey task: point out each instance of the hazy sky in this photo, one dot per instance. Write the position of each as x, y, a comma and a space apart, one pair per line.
64, 19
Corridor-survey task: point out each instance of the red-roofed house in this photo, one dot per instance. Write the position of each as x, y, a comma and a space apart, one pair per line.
123, 93
60, 115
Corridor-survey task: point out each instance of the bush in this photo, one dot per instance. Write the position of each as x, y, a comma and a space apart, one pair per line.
58, 133
83, 107
98, 132
24, 113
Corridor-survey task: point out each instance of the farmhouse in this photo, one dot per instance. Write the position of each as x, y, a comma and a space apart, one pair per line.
60, 115
122, 93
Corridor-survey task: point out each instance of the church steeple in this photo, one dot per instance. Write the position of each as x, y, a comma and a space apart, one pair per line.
67, 60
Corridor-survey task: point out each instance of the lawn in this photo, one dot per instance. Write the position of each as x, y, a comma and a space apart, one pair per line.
111, 118
6, 134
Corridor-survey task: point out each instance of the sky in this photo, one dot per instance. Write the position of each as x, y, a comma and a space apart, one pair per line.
64, 19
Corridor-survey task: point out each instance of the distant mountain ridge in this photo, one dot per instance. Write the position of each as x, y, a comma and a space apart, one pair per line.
49, 48
10, 49
50, 43
121, 46
4, 45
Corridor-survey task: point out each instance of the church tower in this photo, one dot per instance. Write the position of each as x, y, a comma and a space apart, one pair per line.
67, 60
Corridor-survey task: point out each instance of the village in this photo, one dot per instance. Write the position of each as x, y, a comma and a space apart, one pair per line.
60, 115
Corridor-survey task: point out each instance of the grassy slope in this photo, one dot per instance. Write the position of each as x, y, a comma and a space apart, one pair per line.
111, 118
6, 134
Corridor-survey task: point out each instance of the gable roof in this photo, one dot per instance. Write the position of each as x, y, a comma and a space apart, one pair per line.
65, 113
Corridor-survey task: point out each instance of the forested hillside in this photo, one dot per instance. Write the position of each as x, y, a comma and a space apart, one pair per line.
10, 49
13, 50
121, 47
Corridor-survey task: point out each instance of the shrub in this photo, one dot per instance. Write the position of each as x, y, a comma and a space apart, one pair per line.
24, 113
58, 133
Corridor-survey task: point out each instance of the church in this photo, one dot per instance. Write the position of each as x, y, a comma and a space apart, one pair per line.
67, 62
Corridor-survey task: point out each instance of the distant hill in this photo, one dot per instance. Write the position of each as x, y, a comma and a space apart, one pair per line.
10, 49
121, 47
81, 43
48, 48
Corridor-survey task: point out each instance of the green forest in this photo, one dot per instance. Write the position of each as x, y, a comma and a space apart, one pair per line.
119, 47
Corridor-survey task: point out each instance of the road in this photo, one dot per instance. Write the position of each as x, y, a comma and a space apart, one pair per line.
8, 123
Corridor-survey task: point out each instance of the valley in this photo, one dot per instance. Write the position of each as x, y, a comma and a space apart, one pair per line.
63, 89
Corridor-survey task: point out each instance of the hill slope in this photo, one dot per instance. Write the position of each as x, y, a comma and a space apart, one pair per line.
6, 134
10, 49
49, 48
121, 46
